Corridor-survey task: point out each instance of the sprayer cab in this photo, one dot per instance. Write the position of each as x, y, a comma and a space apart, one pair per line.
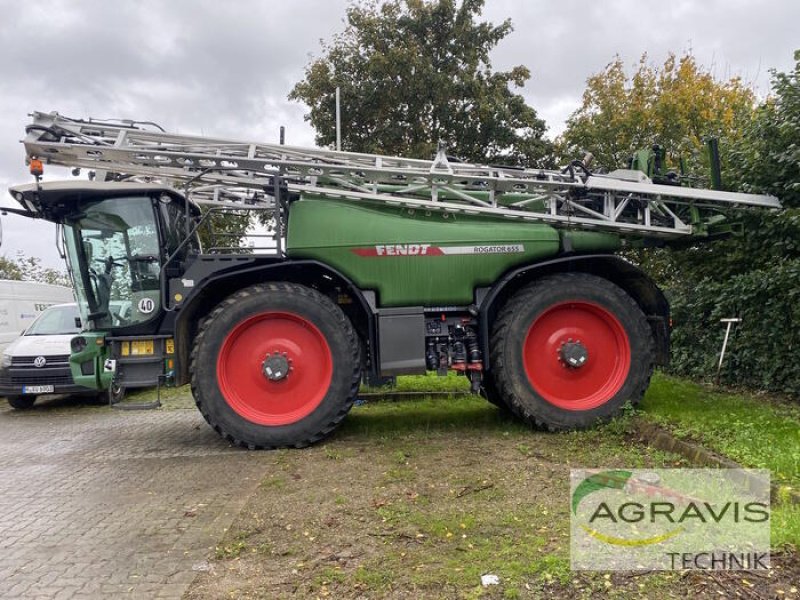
116, 238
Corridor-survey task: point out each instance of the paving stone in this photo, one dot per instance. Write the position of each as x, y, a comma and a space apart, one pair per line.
94, 503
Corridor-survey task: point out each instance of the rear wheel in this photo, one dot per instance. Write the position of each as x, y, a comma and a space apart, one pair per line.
491, 393
21, 402
275, 365
570, 350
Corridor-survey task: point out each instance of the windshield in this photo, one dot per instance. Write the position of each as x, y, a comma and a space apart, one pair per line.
56, 320
113, 253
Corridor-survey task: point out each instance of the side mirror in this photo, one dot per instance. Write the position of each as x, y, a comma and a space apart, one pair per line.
78, 322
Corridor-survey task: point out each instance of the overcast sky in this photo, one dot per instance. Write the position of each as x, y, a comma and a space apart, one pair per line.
225, 68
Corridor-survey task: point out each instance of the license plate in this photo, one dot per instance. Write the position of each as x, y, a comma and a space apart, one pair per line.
141, 347
37, 389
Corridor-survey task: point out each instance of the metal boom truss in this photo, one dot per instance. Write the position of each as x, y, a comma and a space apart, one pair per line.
231, 173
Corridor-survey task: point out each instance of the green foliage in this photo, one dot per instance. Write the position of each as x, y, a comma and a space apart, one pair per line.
755, 277
9, 269
413, 72
675, 105
755, 432
30, 268
769, 158
226, 229
763, 348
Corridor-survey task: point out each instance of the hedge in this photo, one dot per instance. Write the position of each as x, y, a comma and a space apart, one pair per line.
763, 349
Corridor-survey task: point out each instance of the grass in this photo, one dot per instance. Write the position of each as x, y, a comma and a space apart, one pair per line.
425, 383
754, 431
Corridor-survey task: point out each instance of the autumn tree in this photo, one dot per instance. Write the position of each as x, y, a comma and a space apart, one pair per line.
676, 105
413, 72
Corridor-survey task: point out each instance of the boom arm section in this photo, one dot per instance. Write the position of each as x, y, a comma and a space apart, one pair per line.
225, 171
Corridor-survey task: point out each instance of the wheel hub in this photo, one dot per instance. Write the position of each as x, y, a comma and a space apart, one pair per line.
573, 354
276, 366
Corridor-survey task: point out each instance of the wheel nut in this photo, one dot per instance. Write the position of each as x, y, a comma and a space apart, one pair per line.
276, 367
574, 354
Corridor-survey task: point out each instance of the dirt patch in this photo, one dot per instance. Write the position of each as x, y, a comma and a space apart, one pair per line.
397, 507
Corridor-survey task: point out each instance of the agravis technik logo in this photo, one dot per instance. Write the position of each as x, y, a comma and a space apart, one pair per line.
669, 519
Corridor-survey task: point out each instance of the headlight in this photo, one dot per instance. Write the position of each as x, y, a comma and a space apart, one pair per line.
77, 344
6, 360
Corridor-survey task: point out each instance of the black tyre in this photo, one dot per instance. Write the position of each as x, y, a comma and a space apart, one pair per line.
115, 393
491, 393
570, 350
21, 402
275, 365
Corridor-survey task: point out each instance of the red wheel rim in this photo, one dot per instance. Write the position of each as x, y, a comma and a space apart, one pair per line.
240, 368
605, 341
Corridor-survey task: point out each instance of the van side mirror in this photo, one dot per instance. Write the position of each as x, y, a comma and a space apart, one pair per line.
78, 322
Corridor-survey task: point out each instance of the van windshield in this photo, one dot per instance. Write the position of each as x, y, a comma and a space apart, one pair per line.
56, 320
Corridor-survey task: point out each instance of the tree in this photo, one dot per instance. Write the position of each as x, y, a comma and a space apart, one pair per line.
413, 72
9, 269
30, 268
769, 157
764, 157
675, 105
755, 277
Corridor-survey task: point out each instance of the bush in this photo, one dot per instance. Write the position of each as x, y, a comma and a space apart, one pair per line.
762, 349
756, 278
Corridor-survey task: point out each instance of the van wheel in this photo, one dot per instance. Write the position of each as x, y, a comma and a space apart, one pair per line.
21, 402
115, 394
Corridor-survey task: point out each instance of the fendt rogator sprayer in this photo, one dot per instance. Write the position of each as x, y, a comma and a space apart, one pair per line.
378, 266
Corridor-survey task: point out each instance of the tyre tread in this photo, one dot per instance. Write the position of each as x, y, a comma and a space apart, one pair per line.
500, 359
336, 315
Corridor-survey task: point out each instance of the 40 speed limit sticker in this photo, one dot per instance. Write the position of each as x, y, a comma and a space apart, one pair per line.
146, 306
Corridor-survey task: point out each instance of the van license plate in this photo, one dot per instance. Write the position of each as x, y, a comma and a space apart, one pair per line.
37, 389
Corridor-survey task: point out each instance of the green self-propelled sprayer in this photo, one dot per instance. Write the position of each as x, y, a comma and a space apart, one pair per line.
373, 266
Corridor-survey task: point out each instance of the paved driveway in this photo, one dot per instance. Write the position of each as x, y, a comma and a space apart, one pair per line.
102, 503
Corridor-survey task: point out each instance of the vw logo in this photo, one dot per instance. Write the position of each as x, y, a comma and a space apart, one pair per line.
39, 361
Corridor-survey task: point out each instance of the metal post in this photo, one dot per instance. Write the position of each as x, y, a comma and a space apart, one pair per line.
713, 158
338, 121
283, 135
730, 323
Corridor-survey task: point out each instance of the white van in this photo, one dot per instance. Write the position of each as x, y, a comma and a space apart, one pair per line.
22, 301
37, 362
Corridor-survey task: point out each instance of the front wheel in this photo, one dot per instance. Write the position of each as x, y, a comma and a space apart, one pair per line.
114, 394
21, 402
570, 350
275, 365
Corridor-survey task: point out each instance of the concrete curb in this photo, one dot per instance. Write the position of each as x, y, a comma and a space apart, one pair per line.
660, 438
